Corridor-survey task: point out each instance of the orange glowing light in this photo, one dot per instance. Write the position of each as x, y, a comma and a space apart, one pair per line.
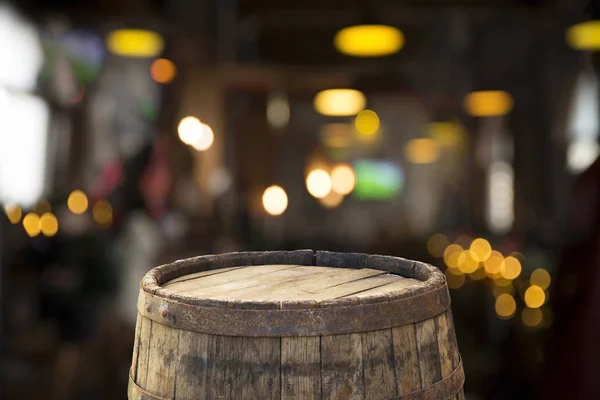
163, 70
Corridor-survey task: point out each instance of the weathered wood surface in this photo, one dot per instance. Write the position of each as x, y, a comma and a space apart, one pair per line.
404, 361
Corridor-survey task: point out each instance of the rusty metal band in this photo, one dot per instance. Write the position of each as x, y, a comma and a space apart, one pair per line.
294, 322
445, 389
134, 392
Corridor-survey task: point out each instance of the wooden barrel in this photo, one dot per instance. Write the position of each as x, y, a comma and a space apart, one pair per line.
295, 325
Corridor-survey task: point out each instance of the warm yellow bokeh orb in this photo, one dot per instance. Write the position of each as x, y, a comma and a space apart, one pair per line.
540, 277
102, 213
421, 151
489, 103
205, 140
331, 200
535, 297
339, 102
343, 179
511, 268
467, 262
531, 317
369, 40
481, 249
452, 255
136, 43
437, 244
14, 213
501, 282
367, 122
275, 200
163, 70
505, 305
77, 202
494, 263
318, 183
584, 36
31, 223
48, 224
498, 290
478, 274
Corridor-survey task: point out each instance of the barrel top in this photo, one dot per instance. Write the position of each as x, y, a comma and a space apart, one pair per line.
289, 283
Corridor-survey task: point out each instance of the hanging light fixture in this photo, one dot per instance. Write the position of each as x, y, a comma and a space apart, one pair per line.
136, 43
369, 40
340, 102
488, 103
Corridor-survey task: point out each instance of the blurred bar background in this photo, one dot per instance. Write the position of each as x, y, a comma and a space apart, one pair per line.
137, 132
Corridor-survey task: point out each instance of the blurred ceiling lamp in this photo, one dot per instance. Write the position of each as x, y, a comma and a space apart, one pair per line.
339, 102
14, 213
421, 151
278, 110
163, 70
367, 122
135, 43
488, 103
206, 139
318, 183
190, 130
332, 200
23, 141
369, 40
377, 180
336, 135
343, 179
275, 200
584, 36
77, 202
20, 51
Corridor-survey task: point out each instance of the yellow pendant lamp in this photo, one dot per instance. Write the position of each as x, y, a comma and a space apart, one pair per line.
369, 40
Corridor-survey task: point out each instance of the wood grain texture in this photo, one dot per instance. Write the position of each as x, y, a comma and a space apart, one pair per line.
136, 346
379, 364
407, 358
301, 368
260, 375
162, 364
141, 376
429, 355
223, 366
460, 395
342, 367
191, 379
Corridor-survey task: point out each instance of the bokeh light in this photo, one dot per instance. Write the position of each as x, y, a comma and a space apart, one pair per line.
163, 70
540, 277
494, 263
275, 200
478, 274
369, 40
535, 297
489, 103
481, 249
446, 134
531, 317
467, 262
331, 200
14, 213
505, 306
511, 268
502, 282
498, 290
337, 135
102, 213
584, 36
48, 224
436, 244
454, 281
340, 102
190, 130
343, 179
367, 122
318, 183
136, 43
205, 140
77, 202
421, 151
452, 255
31, 223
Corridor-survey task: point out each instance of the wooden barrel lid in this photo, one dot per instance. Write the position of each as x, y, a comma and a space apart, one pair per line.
299, 293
